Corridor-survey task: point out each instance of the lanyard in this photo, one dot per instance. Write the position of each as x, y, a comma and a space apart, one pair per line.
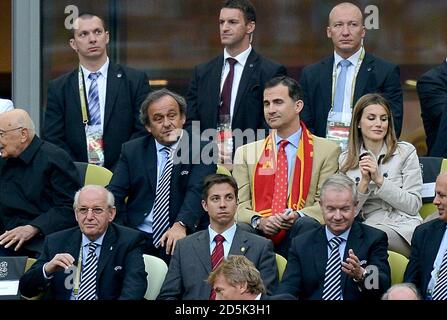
82, 96
334, 78
78, 274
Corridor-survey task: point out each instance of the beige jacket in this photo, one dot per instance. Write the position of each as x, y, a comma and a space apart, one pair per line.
397, 202
324, 165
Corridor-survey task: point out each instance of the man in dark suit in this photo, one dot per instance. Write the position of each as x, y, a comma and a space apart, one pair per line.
365, 74
37, 183
118, 95
315, 269
194, 256
244, 108
237, 278
432, 91
428, 249
165, 210
113, 269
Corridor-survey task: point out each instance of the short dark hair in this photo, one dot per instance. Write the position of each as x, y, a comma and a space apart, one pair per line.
217, 178
88, 15
156, 95
247, 8
295, 91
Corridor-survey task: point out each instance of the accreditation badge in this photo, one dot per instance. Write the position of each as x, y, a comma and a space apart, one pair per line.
95, 144
339, 133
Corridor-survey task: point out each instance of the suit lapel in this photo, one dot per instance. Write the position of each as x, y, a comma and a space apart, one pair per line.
214, 89
73, 246
114, 80
149, 154
202, 249
365, 71
240, 244
250, 65
74, 82
327, 67
320, 253
434, 241
356, 243
107, 249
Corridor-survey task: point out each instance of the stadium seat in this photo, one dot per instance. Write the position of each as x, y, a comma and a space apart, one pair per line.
156, 270
398, 264
93, 174
281, 262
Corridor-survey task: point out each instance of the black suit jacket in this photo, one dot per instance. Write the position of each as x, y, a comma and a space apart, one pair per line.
424, 247
191, 264
432, 91
126, 90
375, 76
121, 273
308, 255
203, 97
135, 177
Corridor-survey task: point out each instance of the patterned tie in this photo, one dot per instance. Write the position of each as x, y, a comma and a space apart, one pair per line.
440, 289
217, 257
341, 84
161, 204
332, 277
225, 108
279, 200
93, 99
87, 289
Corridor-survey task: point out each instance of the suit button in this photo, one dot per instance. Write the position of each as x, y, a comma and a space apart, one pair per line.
385, 175
146, 214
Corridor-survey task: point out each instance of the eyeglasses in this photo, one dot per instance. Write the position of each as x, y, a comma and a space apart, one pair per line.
4, 132
96, 211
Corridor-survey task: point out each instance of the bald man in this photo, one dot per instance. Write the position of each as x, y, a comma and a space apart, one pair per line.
402, 291
328, 100
427, 267
37, 181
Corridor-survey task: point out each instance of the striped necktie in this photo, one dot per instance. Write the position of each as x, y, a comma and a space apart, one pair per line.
440, 289
161, 204
332, 277
93, 99
87, 289
216, 257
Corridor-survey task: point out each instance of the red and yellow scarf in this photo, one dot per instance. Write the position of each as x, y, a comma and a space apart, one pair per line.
264, 177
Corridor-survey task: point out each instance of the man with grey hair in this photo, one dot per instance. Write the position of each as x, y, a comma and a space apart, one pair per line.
98, 260
343, 259
402, 291
161, 176
37, 181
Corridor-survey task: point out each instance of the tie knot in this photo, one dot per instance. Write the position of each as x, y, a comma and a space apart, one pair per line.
168, 151
335, 242
231, 61
345, 63
94, 75
219, 238
92, 246
283, 144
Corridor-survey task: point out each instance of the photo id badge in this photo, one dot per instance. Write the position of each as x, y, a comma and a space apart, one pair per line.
95, 146
339, 133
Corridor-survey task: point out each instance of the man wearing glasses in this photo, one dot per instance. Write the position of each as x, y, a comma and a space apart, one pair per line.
37, 183
99, 260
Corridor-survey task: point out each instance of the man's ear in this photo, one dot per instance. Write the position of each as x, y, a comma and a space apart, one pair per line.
73, 45
204, 205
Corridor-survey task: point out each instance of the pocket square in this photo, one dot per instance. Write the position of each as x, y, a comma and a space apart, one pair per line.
117, 268
184, 172
363, 263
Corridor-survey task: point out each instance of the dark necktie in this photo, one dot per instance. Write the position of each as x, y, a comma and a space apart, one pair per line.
87, 289
217, 257
225, 107
332, 277
161, 204
93, 99
440, 289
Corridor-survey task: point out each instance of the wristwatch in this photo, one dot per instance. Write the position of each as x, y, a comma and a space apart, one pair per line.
182, 224
255, 221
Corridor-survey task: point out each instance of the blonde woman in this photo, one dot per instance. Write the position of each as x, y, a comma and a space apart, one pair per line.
387, 173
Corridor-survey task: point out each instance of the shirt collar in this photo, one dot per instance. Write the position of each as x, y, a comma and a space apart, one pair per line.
241, 57
86, 241
227, 234
28, 154
258, 297
103, 70
354, 59
294, 139
174, 146
330, 235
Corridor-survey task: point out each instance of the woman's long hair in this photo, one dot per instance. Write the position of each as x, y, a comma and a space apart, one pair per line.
355, 134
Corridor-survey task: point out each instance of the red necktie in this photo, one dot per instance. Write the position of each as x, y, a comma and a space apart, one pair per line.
217, 257
226, 90
279, 200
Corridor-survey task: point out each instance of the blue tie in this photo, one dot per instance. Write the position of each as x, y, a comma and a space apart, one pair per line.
332, 276
161, 204
341, 84
93, 99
